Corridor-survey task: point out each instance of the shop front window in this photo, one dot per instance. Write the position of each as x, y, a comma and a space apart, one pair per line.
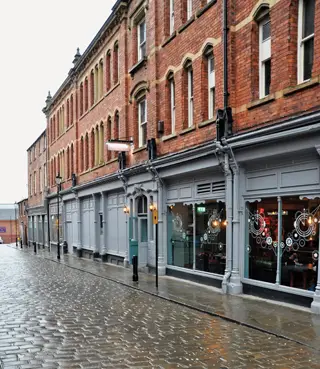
295, 219
262, 240
211, 237
180, 235
301, 239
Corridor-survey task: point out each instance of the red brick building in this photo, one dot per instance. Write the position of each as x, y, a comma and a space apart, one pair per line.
37, 187
23, 221
8, 223
167, 78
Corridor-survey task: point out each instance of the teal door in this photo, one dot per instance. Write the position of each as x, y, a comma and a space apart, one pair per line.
133, 241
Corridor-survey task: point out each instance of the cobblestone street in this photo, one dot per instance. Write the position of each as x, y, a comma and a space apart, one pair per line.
53, 316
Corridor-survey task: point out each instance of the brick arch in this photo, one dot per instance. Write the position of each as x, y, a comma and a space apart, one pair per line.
138, 89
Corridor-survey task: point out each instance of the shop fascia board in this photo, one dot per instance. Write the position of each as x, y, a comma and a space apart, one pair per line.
274, 149
115, 185
280, 128
298, 133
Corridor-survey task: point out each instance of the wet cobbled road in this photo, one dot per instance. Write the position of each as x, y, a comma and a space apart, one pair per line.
52, 316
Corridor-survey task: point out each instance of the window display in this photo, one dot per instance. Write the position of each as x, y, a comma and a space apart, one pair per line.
197, 236
299, 241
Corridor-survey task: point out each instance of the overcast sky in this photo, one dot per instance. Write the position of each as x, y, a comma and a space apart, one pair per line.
39, 39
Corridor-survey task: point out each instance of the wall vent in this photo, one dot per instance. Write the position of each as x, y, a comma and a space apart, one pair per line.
210, 188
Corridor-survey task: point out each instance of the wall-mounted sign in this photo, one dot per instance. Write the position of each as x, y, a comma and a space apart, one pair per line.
201, 209
3, 230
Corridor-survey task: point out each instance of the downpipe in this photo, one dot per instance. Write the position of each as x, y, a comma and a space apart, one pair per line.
229, 230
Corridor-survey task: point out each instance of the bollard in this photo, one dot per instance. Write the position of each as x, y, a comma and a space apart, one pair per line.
135, 268
21, 243
35, 247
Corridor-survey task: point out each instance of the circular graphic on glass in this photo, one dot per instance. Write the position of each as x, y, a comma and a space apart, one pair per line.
177, 223
249, 249
303, 226
205, 237
214, 224
220, 246
257, 224
315, 255
289, 241
282, 244
184, 235
302, 242
295, 247
269, 241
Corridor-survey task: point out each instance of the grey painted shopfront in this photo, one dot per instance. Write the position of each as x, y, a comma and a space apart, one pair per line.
38, 226
242, 216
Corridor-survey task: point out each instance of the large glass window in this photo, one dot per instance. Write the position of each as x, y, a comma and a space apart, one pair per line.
211, 237
298, 229
301, 242
180, 235
197, 236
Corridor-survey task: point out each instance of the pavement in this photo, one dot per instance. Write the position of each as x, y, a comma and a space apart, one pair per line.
77, 313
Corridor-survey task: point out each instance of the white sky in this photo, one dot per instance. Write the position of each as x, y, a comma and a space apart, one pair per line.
39, 39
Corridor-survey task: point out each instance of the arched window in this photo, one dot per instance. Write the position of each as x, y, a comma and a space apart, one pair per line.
72, 159
108, 70
116, 63
87, 152
86, 94
68, 113
97, 146
101, 79
117, 134
93, 149
188, 93
82, 166
68, 163
96, 83
92, 87
101, 146
71, 109
209, 80
81, 99
109, 136
171, 101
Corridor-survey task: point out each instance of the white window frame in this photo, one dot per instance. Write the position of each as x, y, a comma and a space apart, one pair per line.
190, 96
171, 6
264, 55
172, 105
140, 122
301, 42
142, 44
189, 9
211, 86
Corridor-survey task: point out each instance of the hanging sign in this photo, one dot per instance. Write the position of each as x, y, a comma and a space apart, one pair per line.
155, 216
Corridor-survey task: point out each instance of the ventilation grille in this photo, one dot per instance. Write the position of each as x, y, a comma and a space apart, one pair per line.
210, 188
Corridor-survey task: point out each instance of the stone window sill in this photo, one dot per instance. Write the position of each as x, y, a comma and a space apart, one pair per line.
140, 149
169, 137
187, 24
205, 8
206, 123
260, 102
138, 66
302, 86
187, 130
169, 39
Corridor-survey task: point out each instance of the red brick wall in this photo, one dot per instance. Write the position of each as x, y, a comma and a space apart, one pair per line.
10, 235
166, 56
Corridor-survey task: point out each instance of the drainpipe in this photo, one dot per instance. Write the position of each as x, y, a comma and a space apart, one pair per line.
235, 283
225, 54
229, 188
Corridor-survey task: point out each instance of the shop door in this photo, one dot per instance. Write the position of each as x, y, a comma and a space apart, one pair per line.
133, 242
69, 237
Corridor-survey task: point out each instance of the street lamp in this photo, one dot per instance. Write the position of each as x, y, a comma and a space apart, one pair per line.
58, 183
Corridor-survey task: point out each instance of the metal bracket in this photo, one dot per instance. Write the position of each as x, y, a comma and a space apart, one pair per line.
123, 179
153, 171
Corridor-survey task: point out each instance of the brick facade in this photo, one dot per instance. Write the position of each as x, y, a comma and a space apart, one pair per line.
167, 54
